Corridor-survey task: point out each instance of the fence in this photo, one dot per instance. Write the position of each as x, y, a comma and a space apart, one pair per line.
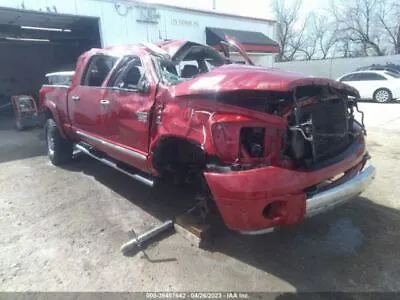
335, 67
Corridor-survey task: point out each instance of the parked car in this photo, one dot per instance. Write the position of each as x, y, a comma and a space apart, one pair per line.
388, 67
266, 147
380, 86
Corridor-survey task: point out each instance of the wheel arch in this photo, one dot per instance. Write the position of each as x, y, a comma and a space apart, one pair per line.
186, 150
50, 111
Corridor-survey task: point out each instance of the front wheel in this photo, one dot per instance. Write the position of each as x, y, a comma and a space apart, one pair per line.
382, 96
59, 149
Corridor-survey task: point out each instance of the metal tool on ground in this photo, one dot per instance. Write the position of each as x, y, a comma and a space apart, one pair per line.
191, 225
136, 243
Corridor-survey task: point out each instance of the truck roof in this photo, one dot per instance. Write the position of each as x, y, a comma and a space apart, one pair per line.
141, 48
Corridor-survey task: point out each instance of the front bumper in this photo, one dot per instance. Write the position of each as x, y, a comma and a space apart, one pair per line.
329, 199
342, 193
244, 198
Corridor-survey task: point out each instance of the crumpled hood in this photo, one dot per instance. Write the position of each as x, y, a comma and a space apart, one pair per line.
236, 77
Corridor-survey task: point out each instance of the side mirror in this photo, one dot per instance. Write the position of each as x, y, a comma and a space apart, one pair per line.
143, 86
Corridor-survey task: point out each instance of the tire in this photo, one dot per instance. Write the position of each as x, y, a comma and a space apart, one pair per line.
59, 149
382, 95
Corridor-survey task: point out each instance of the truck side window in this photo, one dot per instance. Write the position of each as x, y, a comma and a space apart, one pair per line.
98, 69
128, 74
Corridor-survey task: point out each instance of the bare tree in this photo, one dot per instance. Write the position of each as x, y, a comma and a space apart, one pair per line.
390, 21
344, 48
325, 34
358, 22
290, 34
309, 49
309, 44
352, 28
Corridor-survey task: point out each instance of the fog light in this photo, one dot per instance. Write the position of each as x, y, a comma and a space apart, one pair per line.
274, 210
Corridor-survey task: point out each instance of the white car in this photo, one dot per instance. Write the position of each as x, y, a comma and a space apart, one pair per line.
380, 86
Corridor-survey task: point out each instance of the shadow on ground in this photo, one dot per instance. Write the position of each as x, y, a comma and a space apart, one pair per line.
162, 201
354, 247
16, 145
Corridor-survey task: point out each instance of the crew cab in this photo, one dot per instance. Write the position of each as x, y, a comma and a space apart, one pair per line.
267, 147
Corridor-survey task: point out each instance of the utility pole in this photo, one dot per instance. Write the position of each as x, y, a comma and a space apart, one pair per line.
214, 4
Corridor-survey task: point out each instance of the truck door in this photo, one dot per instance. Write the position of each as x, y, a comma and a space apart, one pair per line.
128, 92
86, 100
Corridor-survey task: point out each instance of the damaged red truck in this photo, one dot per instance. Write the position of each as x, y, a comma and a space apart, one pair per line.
268, 147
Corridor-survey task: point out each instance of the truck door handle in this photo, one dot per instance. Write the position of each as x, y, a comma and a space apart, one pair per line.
104, 102
75, 98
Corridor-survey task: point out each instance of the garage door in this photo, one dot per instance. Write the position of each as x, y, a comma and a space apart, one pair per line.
34, 43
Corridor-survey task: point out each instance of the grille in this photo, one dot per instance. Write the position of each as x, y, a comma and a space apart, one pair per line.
330, 129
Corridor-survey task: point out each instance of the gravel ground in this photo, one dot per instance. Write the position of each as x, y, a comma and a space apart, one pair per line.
62, 229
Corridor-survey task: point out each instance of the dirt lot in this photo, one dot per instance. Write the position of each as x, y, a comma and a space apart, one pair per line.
62, 229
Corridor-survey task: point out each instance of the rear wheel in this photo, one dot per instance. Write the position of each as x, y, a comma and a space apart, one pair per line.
59, 149
382, 95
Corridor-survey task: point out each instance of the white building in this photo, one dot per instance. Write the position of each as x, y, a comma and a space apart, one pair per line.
40, 36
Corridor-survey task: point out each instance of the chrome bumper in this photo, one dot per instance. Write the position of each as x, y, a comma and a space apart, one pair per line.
340, 194
330, 198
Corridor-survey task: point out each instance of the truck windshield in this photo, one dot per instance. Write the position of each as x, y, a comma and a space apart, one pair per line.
168, 72
196, 60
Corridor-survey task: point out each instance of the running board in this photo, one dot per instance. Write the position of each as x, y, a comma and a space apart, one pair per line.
113, 165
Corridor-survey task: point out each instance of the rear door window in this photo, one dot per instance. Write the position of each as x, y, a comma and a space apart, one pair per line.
97, 70
370, 76
349, 77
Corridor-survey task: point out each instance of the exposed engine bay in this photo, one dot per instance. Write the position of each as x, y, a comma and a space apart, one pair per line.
321, 124
320, 118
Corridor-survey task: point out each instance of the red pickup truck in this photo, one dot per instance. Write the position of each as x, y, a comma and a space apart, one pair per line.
268, 147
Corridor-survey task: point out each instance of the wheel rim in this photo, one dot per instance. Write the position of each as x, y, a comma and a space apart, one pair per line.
382, 96
50, 143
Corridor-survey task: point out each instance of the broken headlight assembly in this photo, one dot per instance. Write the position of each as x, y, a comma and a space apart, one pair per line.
236, 143
252, 142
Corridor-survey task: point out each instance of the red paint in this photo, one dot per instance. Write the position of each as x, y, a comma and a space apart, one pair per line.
252, 190
239, 47
242, 77
189, 112
226, 131
25, 110
173, 46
